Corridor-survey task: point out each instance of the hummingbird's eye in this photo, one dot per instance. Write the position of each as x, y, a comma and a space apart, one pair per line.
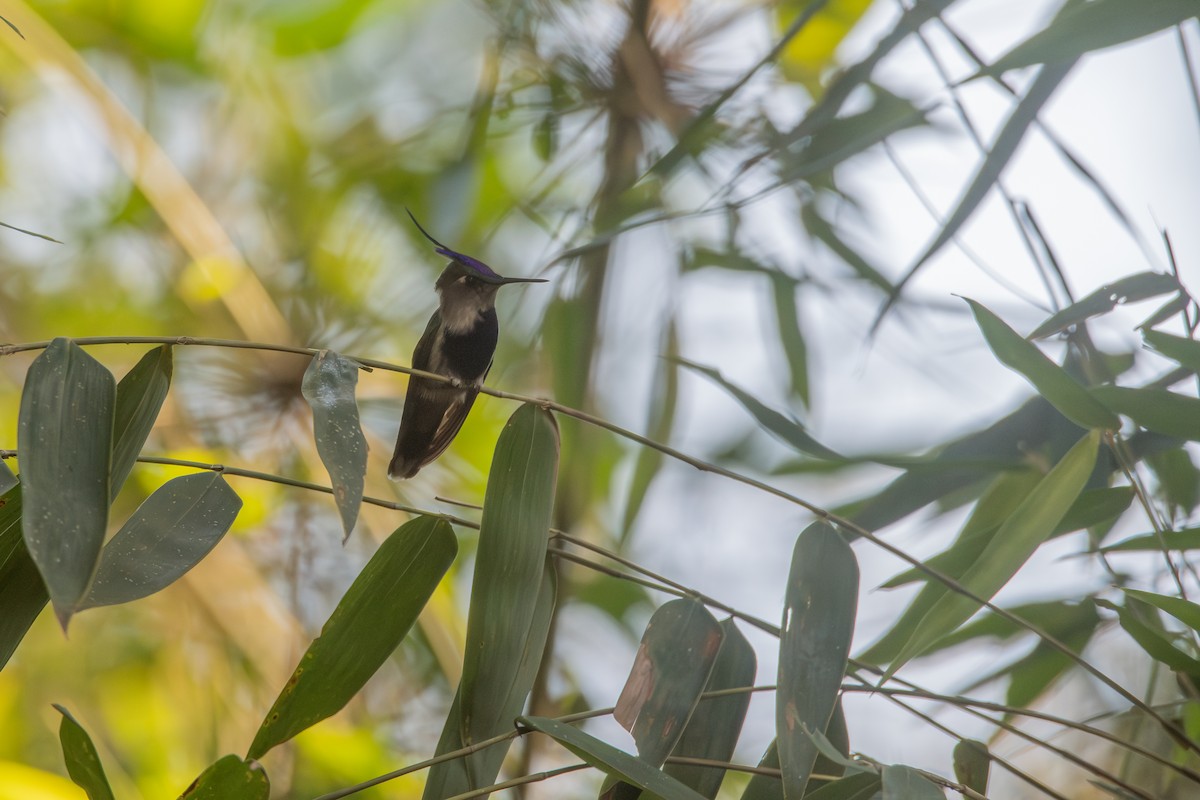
472, 281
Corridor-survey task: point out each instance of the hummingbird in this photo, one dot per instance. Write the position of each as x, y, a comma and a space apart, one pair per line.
458, 342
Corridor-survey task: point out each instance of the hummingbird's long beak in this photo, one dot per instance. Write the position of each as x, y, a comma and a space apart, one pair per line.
503, 281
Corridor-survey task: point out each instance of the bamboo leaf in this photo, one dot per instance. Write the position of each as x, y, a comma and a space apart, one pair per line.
859, 786
613, 762
1083, 27
818, 622
1183, 539
1153, 642
1051, 381
1157, 410
1130, 289
370, 621
328, 387
508, 591
64, 436
972, 763
786, 430
1020, 535
713, 729
905, 783
1176, 348
670, 669
83, 762
169, 534
140, 396
230, 778
22, 592
7, 479
1183, 610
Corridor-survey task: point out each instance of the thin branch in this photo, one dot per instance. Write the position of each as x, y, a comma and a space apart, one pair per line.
521, 781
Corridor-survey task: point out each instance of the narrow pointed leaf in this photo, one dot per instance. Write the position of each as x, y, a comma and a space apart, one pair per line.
833, 757
1084, 27
230, 778
791, 336
168, 535
1177, 348
672, 664
664, 399
1152, 641
328, 387
507, 592
818, 622
1051, 381
713, 729
370, 621
64, 435
22, 592
1183, 610
994, 164
905, 783
140, 396
1173, 307
1020, 535
610, 760
83, 762
972, 763
1130, 289
7, 479
786, 430
860, 786
1184, 539
1157, 410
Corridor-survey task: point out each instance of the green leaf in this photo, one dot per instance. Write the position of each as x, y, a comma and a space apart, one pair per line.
369, 622
22, 593
83, 762
610, 760
1130, 289
972, 763
1184, 539
786, 430
1157, 410
713, 729
818, 622
859, 786
509, 591
1083, 27
64, 436
1051, 381
791, 335
1153, 642
663, 401
1185, 611
1095, 507
328, 387
140, 396
1176, 348
1176, 306
670, 669
766, 787
168, 535
230, 778
7, 479
905, 783
1016, 540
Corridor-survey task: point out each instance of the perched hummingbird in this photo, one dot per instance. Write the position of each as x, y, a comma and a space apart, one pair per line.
458, 342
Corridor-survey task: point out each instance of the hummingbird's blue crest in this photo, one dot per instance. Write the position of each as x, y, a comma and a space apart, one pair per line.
487, 273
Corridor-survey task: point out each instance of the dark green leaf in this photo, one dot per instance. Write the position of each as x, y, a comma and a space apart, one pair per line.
511, 604
1176, 348
791, 336
1183, 610
663, 401
1016, 540
834, 756
168, 535
1051, 381
1176, 306
368, 624
786, 430
1185, 539
64, 436
230, 778
140, 396
905, 783
1095, 507
712, 732
972, 763
328, 387
1178, 480
1157, 410
860, 786
83, 762
1083, 27
1154, 642
610, 760
766, 787
818, 621
1130, 289
670, 669
22, 593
